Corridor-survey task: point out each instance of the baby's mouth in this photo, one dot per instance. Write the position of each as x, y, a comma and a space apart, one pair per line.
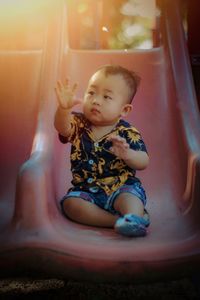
95, 111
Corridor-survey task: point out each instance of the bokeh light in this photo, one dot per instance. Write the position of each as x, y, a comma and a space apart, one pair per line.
101, 24
114, 24
22, 23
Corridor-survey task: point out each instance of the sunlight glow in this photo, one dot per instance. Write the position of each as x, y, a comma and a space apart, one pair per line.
13, 7
133, 30
144, 8
22, 23
105, 29
82, 8
148, 44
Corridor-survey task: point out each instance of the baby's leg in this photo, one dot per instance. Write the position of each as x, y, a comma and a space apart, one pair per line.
87, 213
127, 203
132, 223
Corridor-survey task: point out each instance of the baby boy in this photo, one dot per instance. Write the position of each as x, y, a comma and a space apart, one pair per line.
106, 152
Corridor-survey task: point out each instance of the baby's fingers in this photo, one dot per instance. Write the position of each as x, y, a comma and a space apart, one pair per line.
66, 82
113, 138
66, 85
117, 140
58, 96
57, 91
59, 85
74, 88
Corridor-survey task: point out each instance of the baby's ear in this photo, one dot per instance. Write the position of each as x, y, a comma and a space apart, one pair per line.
126, 110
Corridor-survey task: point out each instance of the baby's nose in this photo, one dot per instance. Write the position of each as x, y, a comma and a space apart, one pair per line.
96, 100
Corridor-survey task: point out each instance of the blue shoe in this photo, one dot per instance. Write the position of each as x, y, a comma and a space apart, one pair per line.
131, 225
146, 217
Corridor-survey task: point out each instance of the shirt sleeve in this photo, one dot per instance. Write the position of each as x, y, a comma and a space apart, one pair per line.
135, 140
77, 125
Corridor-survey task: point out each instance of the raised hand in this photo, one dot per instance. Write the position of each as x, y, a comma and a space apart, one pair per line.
65, 94
120, 147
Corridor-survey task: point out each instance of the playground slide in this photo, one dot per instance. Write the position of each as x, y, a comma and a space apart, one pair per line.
35, 238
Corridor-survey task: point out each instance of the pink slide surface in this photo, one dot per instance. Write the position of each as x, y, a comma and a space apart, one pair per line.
35, 238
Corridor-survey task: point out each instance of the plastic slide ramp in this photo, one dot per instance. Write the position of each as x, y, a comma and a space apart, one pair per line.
35, 238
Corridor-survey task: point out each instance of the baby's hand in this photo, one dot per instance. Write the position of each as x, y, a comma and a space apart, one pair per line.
119, 147
65, 94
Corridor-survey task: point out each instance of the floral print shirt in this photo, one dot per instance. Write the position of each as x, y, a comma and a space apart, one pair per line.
93, 165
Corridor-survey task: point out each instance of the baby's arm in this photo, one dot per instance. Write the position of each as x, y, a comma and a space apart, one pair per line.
66, 101
137, 160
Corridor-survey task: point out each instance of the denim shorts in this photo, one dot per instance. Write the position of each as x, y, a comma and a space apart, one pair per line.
104, 201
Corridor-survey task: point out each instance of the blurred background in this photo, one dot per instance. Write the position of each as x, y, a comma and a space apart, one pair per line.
97, 24
114, 24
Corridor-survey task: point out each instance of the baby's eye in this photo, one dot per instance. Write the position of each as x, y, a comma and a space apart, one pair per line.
91, 93
107, 97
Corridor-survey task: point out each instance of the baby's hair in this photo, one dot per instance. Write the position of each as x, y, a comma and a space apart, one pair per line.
131, 78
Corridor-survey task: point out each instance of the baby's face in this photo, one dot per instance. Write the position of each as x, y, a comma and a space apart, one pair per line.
105, 100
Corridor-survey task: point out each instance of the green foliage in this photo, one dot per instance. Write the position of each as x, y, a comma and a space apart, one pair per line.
113, 26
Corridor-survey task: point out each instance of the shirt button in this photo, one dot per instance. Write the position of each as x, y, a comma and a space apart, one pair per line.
96, 144
94, 189
91, 161
90, 180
